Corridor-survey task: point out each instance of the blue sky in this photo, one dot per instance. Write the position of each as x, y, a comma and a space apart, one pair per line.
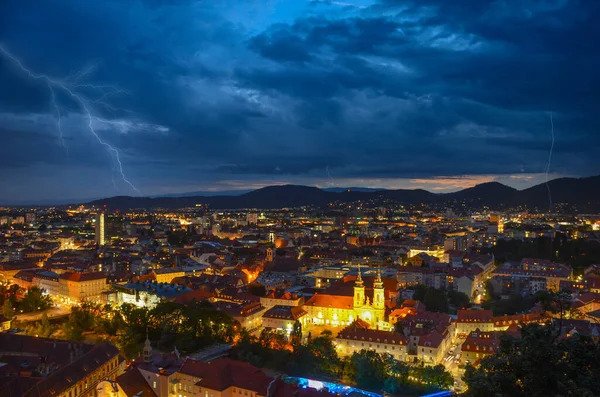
224, 94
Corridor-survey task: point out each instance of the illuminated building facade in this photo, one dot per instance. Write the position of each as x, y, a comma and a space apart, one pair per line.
100, 218
341, 311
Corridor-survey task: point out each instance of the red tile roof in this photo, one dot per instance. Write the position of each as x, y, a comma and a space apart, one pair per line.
132, 382
33, 351
432, 339
197, 295
356, 332
474, 316
335, 301
502, 321
285, 312
223, 373
79, 277
481, 342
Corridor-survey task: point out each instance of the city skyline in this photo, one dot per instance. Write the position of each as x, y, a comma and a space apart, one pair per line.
169, 97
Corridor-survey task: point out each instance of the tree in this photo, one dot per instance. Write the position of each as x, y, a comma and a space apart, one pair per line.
370, 369
80, 320
35, 299
327, 333
539, 364
296, 334
7, 310
326, 358
438, 377
436, 300
13, 293
420, 292
128, 343
458, 299
45, 329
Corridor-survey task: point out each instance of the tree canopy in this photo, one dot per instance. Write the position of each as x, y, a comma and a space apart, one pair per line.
540, 364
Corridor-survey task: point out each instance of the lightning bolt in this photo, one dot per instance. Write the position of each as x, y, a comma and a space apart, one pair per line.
58, 118
330, 178
548, 164
70, 88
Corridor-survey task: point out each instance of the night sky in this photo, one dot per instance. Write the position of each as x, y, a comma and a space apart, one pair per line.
239, 94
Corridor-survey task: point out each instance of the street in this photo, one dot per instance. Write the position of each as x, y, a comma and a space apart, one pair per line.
452, 361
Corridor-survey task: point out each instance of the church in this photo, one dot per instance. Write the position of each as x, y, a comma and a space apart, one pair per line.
341, 310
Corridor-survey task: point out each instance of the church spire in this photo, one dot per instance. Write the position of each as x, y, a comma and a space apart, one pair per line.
147, 351
378, 282
359, 282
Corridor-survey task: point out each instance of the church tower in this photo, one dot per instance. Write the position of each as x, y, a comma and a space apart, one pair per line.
359, 290
147, 352
378, 292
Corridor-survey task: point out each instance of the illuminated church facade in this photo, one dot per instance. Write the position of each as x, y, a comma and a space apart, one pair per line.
340, 311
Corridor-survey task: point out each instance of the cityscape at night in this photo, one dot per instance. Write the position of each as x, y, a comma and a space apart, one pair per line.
299, 198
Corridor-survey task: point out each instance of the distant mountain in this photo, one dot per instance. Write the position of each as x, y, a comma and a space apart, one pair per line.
580, 193
490, 194
205, 193
352, 189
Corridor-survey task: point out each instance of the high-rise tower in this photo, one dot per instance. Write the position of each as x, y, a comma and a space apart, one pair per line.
100, 233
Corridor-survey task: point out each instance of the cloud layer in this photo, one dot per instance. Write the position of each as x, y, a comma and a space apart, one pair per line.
394, 93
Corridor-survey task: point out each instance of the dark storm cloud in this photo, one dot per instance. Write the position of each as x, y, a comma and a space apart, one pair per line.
398, 89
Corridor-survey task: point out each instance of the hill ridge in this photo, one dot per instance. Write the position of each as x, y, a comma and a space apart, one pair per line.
584, 193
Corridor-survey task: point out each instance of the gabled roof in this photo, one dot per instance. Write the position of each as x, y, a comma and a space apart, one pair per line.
132, 382
358, 332
79, 277
285, 312
334, 301
223, 373
474, 316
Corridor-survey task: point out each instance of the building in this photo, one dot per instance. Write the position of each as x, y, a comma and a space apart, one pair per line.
252, 218
40, 367
276, 298
30, 217
166, 275
341, 311
100, 228
502, 323
80, 286
146, 293
527, 269
129, 384
8, 270
470, 320
429, 335
282, 318
357, 337
479, 344
249, 315
50, 282
222, 377
170, 375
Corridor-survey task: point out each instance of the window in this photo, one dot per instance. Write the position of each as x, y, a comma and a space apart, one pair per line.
154, 384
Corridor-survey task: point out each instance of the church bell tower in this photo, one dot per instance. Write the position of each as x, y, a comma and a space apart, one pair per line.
378, 292
359, 290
